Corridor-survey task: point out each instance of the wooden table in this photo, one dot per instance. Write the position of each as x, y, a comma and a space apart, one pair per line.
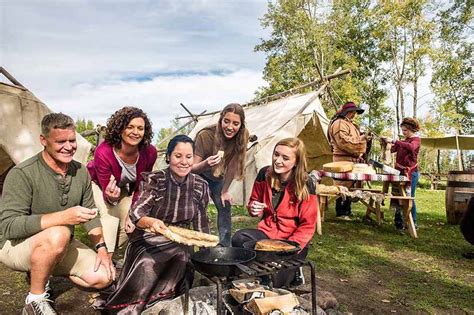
389, 181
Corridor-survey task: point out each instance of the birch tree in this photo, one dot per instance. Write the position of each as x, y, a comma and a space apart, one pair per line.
453, 77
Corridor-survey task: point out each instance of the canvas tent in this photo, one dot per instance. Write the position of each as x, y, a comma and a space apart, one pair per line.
21, 113
299, 115
456, 142
461, 142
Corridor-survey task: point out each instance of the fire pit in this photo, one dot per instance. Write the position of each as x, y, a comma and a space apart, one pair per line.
255, 269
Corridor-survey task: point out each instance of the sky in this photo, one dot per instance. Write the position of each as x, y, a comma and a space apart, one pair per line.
90, 58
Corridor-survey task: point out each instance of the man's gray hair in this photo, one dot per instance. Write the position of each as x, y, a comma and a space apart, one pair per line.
56, 121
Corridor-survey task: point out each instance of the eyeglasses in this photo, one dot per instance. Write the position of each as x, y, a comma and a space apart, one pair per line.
64, 183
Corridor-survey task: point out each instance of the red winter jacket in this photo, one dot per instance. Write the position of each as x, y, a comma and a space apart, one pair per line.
291, 220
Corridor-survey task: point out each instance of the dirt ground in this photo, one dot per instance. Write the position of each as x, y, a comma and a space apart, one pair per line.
364, 295
13, 290
360, 294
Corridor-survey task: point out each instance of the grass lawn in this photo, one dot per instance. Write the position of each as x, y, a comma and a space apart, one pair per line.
376, 270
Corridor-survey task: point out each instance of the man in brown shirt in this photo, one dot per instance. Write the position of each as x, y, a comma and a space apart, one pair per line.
348, 144
43, 199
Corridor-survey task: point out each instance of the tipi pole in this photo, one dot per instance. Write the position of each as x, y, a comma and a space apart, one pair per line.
177, 130
336, 74
459, 153
10, 77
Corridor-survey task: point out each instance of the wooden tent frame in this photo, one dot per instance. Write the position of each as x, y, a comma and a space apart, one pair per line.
325, 85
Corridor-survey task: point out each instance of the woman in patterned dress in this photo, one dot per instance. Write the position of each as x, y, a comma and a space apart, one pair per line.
155, 268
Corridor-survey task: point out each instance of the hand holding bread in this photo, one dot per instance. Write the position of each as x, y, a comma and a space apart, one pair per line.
112, 191
213, 160
256, 208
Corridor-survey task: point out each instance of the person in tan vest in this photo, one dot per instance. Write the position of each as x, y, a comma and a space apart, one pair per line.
348, 144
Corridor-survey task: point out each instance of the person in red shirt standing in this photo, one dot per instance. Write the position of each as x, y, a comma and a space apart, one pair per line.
116, 171
407, 160
285, 199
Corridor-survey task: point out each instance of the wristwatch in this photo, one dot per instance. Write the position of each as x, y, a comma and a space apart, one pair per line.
99, 245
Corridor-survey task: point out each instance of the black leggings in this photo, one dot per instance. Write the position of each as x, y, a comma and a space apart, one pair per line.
280, 279
224, 211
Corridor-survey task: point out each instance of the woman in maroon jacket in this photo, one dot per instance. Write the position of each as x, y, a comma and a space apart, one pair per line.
407, 160
116, 170
285, 198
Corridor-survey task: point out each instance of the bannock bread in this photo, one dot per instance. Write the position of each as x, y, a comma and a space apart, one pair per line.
273, 245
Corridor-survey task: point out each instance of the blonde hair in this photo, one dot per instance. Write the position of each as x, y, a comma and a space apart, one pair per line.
238, 148
300, 171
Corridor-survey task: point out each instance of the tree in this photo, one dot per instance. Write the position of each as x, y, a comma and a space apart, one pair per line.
292, 51
405, 33
354, 27
452, 80
165, 134
306, 36
161, 136
83, 125
420, 36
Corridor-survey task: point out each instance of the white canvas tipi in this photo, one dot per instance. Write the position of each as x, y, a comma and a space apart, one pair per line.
21, 113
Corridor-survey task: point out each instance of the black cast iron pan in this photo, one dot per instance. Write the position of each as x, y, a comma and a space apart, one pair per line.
269, 256
223, 261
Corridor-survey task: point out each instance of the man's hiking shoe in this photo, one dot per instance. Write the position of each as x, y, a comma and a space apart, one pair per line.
39, 307
48, 289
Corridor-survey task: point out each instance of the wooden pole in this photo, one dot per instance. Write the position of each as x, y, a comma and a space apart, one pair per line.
10, 77
87, 133
177, 130
244, 191
321, 77
438, 161
189, 112
459, 153
336, 74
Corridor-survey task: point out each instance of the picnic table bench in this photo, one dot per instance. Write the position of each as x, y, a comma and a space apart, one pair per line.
436, 179
388, 181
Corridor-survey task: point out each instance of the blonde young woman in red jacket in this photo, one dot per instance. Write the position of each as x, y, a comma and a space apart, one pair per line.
285, 198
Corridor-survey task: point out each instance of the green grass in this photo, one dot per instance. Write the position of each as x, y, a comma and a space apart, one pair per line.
428, 274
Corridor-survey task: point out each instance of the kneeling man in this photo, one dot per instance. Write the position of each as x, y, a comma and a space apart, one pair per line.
43, 198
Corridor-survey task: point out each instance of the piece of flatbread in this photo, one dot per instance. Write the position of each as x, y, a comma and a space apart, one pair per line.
189, 237
220, 153
273, 245
186, 233
323, 189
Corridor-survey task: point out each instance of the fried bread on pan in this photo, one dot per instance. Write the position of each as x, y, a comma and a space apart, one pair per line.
273, 245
